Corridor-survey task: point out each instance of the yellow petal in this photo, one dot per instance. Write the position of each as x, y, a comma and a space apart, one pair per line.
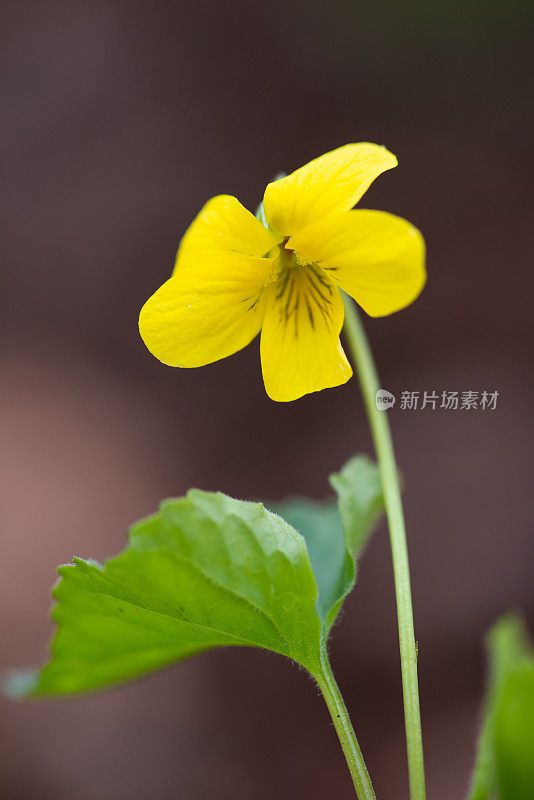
300, 347
224, 225
333, 182
207, 311
377, 258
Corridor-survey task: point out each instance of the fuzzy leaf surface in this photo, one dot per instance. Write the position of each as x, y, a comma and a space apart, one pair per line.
206, 570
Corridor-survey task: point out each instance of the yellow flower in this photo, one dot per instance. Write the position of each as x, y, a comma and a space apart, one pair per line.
234, 276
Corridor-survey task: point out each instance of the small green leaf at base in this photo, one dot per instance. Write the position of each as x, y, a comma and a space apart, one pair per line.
504, 768
514, 735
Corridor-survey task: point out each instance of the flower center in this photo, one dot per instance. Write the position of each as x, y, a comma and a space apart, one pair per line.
301, 288
286, 258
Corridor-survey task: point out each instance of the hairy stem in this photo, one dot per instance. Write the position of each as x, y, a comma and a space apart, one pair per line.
380, 430
347, 737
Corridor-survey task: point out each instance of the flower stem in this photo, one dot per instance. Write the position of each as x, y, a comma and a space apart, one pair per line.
347, 737
380, 430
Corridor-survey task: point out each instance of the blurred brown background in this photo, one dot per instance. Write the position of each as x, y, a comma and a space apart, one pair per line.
119, 120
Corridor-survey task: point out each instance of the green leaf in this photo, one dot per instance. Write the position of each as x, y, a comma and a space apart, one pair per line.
514, 735
502, 766
334, 537
332, 564
206, 570
361, 502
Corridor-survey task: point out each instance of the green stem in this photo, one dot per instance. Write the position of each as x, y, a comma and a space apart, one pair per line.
347, 737
378, 422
